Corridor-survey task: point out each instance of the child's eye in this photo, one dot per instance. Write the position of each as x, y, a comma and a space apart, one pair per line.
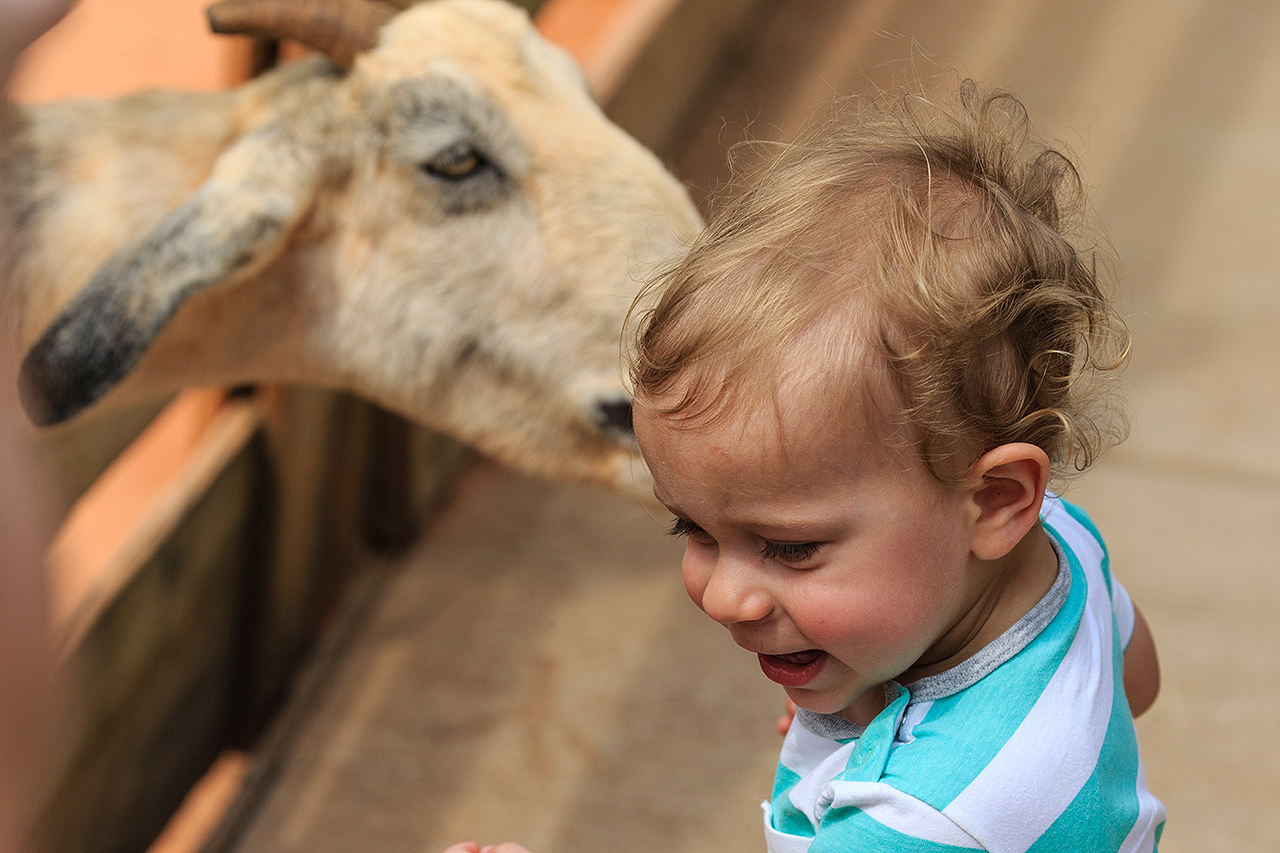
789, 552
685, 527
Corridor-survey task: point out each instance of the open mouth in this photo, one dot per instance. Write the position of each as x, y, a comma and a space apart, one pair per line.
795, 669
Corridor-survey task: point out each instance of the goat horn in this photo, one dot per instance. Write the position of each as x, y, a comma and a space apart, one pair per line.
340, 29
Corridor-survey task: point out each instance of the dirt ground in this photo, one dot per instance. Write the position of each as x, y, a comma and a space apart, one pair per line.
534, 672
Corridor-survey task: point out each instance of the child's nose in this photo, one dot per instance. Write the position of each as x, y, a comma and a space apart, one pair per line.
733, 593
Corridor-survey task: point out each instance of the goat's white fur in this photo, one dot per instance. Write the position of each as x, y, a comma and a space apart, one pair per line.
287, 231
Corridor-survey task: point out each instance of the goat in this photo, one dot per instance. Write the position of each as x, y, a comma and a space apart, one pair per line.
435, 214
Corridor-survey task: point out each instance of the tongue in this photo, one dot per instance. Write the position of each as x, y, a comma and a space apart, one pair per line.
800, 658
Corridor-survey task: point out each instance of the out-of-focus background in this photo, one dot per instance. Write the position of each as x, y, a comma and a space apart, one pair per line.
528, 668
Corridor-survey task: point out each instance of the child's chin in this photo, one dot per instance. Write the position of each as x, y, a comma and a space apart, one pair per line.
817, 704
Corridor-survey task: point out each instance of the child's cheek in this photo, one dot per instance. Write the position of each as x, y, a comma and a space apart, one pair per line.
837, 622
824, 619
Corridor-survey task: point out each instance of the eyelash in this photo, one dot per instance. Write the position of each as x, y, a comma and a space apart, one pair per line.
786, 552
684, 527
789, 552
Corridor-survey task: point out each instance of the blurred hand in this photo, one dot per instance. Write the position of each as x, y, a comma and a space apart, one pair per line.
21, 23
25, 657
472, 847
784, 722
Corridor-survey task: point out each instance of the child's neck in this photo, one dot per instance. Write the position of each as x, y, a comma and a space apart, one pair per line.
1016, 583
1019, 581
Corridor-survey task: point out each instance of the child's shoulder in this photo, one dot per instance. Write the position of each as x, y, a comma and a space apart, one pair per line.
1017, 755
1060, 514
1076, 535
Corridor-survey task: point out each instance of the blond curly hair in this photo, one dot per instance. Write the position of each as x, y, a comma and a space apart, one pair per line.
937, 243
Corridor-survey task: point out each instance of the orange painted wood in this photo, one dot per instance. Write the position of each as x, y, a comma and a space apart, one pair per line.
576, 25
113, 527
110, 47
202, 810
104, 48
605, 36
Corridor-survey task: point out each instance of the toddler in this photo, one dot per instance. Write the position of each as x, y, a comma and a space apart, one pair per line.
853, 394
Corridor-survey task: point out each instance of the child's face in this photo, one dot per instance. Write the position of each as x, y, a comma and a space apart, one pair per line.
840, 565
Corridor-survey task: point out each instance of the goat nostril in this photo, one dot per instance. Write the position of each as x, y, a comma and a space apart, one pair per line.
615, 415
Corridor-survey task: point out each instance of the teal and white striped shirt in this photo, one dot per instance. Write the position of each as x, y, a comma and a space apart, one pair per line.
1027, 746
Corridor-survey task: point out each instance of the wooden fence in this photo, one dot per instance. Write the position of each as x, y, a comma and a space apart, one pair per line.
194, 575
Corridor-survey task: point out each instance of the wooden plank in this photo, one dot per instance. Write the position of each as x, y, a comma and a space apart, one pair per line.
342, 474
155, 649
608, 37
161, 535
266, 595
134, 503
104, 48
687, 51
316, 451
203, 806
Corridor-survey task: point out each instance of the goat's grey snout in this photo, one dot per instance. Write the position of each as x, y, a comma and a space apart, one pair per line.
81, 356
615, 416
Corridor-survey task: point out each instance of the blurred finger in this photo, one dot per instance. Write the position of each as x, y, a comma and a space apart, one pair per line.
784, 722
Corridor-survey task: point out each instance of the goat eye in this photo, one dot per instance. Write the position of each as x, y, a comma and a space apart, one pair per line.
455, 163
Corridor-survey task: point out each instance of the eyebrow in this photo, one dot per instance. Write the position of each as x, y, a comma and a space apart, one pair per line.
756, 523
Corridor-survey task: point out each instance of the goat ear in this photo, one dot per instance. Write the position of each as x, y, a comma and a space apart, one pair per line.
235, 223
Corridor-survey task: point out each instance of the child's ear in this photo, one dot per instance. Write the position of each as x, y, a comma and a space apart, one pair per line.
1007, 487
